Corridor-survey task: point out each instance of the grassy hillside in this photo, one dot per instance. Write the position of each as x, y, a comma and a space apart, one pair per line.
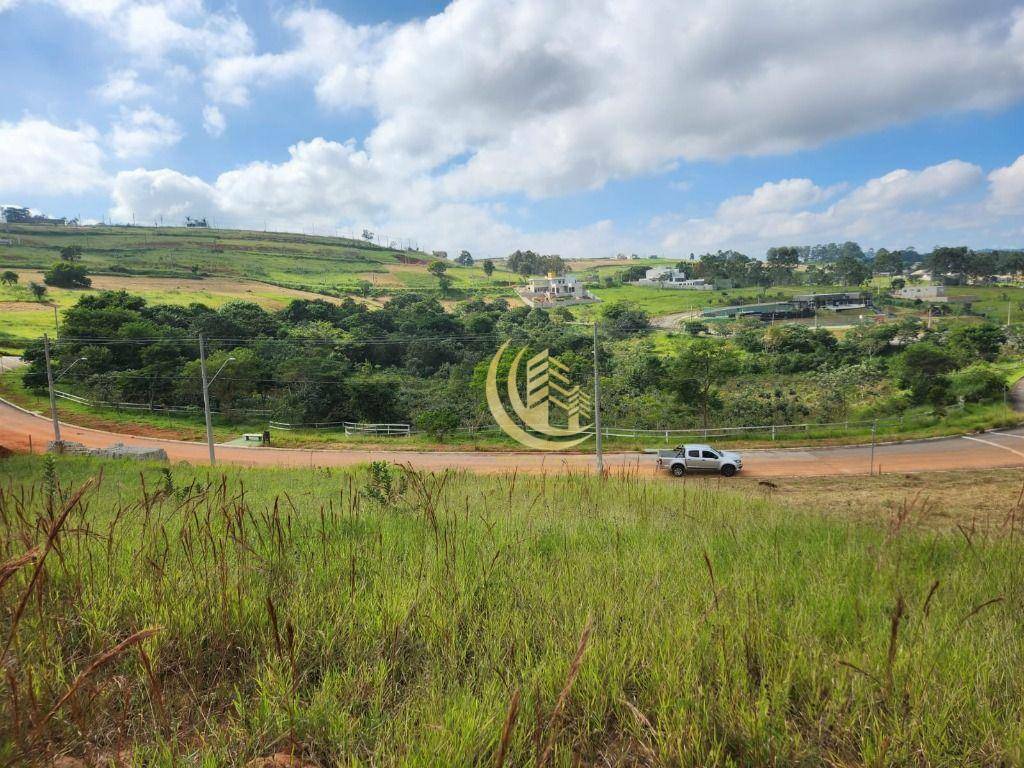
357, 618
298, 261
179, 265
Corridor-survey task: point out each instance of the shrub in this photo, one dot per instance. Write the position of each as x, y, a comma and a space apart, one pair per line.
438, 422
64, 274
977, 383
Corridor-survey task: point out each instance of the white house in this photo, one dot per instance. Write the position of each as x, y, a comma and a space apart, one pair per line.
553, 291
936, 293
666, 277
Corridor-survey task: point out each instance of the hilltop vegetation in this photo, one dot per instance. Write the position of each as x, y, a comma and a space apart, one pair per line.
387, 618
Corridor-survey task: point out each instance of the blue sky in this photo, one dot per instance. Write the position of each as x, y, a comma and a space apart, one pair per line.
653, 127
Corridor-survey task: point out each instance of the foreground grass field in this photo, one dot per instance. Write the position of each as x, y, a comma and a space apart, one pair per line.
383, 618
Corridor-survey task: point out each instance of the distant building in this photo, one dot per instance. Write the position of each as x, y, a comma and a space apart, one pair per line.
931, 293
804, 305
552, 291
666, 277
195, 223
833, 302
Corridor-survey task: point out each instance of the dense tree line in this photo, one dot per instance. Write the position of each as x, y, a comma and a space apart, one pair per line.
312, 361
842, 264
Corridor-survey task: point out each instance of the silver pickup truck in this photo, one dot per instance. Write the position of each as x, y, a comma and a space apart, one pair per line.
704, 458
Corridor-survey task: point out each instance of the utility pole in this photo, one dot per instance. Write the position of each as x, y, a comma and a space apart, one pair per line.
206, 395
597, 408
53, 398
206, 401
874, 426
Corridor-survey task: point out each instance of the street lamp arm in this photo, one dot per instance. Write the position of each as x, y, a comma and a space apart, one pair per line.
76, 362
229, 360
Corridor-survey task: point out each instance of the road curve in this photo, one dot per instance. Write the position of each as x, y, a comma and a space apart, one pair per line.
23, 431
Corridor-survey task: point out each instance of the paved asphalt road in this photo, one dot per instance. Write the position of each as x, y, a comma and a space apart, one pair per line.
19, 429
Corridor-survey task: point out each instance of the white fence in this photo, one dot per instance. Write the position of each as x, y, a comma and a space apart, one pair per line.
668, 435
350, 427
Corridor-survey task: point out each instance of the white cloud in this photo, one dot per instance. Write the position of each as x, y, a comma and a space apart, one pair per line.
332, 53
37, 157
153, 194
544, 98
7, 5
153, 30
1007, 188
123, 85
141, 132
918, 206
214, 122
775, 197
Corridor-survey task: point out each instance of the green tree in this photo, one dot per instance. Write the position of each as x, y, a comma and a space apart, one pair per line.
850, 270
887, 262
9, 278
488, 267
977, 383
38, 291
781, 263
64, 274
698, 368
922, 369
974, 342
623, 318
71, 253
464, 259
439, 269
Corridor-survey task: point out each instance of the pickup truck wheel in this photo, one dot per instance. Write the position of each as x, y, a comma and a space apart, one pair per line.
728, 470
678, 470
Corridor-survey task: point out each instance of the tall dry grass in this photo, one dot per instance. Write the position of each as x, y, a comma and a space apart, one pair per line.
384, 617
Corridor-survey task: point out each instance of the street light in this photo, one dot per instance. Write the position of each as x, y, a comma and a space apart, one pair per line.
598, 452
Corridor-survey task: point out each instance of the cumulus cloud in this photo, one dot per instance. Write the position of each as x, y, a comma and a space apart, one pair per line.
330, 52
142, 132
214, 122
38, 157
123, 85
545, 98
1007, 188
901, 204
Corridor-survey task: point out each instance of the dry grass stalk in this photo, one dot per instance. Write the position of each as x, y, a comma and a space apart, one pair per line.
104, 658
51, 536
570, 678
506, 732
12, 566
898, 612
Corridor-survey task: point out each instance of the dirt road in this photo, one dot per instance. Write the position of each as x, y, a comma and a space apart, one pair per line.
22, 431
